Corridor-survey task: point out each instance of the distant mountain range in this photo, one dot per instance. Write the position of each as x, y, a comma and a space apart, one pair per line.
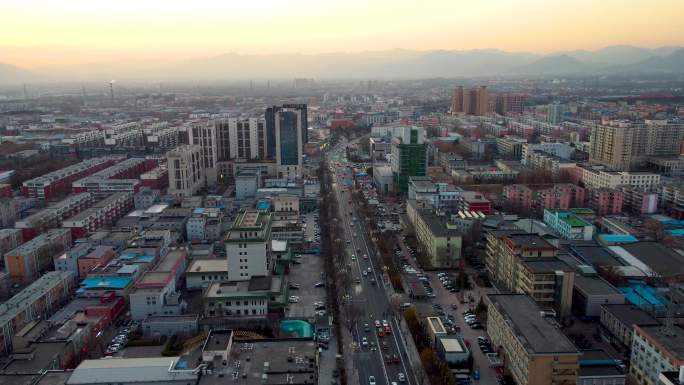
379, 64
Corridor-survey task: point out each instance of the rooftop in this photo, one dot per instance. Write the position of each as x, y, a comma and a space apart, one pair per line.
208, 266
530, 241
672, 341
629, 315
128, 370
30, 294
106, 283
658, 257
545, 264
595, 255
271, 362
537, 335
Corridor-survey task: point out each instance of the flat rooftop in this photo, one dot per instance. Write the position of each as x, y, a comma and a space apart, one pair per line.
658, 257
545, 264
271, 362
208, 266
530, 241
595, 255
629, 315
674, 342
536, 334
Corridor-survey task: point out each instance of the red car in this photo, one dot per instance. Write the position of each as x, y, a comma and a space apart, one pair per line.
388, 329
395, 359
388, 359
380, 332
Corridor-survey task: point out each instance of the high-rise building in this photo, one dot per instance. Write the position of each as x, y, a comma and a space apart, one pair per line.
269, 116
457, 100
242, 140
203, 134
624, 145
509, 103
186, 173
409, 156
474, 101
555, 113
290, 124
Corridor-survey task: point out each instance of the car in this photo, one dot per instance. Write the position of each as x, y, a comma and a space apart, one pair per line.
381, 333
385, 323
364, 341
482, 338
357, 280
319, 284
353, 257
371, 380
401, 377
320, 313
366, 327
354, 235
365, 273
388, 359
377, 323
384, 345
396, 359
476, 326
365, 256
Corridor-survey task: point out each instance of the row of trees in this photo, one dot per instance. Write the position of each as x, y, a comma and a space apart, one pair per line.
337, 284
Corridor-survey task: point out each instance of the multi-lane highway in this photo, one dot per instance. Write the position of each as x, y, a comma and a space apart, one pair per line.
380, 355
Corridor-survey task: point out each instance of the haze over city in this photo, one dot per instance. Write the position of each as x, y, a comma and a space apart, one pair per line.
329, 192
65, 39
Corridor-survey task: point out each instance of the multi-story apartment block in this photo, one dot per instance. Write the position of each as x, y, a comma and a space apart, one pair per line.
510, 145
28, 261
10, 239
624, 145
640, 201
186, 175
243, 140
595, 178
547, 280
509, 103
561, 196
156, 179
534, 350
655, 349
103, 213
618, 320
121, 177
37, 301
248, 243
441, 196
518, 196
440, 243
58, 183
557, 149
8, 212
205, 224
555, 165
607, 201
474, 101
506, 247
53, 215
203, 134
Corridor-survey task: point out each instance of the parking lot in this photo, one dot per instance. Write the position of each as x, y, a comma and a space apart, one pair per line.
306, 274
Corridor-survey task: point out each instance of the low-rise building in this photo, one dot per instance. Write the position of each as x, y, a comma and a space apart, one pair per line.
155, 292
254, 298
168, 325
568, 225
132, 371
617, 323
533, 348
39, 300
203, 272
596, 367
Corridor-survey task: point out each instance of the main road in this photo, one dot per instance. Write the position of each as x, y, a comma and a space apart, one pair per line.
370, 293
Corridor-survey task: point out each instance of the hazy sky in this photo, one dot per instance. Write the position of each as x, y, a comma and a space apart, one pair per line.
40, 33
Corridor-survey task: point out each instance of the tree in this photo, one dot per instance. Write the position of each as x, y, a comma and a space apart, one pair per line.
654, 229
430, 361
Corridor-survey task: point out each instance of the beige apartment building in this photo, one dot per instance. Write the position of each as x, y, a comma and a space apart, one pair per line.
534, 350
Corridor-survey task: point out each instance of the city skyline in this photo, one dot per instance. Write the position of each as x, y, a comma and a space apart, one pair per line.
39, 34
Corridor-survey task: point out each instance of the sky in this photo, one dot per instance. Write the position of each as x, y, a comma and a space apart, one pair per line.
49, 33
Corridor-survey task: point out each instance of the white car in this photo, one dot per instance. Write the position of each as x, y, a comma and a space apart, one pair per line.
401, 377
353, 257
371, 380
365, 273
385, 323
364, 341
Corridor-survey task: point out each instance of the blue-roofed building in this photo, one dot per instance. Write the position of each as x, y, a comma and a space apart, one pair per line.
98, 286
616, 239
645, 297
263, 205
